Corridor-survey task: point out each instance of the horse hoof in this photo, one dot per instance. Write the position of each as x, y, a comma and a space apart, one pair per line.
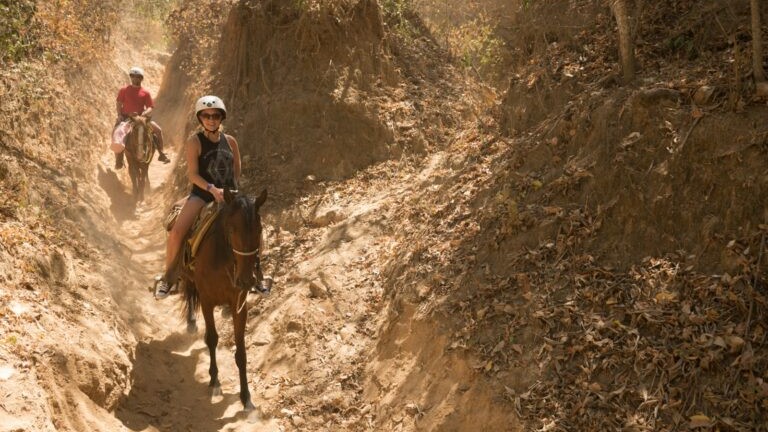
192, 327
216, 391
248, 406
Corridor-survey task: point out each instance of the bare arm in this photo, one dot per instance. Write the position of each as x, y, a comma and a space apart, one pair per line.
147, 111
193, 149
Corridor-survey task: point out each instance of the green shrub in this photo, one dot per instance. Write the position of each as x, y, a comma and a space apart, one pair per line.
476, 44
17, 39
396, 14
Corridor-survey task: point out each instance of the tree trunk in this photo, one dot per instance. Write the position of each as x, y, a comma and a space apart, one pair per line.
761, 87
626, 44
757, 42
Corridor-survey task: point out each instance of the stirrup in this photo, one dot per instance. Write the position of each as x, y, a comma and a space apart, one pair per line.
264, 288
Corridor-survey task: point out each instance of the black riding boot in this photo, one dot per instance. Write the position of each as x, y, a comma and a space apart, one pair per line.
119, 160
162, 157
159, 146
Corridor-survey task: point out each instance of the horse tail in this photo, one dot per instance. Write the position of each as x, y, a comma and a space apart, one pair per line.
191, 299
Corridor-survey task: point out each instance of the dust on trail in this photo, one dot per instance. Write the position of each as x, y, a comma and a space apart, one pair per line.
168, 386
312, 346
169, 381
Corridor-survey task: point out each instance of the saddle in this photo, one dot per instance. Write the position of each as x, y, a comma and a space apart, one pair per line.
201, 225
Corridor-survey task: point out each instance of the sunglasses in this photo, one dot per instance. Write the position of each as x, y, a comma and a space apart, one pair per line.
136, 76
214, 116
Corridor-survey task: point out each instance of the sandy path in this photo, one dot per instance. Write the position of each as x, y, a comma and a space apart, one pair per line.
170, 375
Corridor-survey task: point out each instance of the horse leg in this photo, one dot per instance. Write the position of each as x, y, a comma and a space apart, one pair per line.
238, 320
211, 340
142, 181
146, 179
134, 187
139, 184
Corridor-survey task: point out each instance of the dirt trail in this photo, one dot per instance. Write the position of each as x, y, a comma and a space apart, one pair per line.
327, 351
308, 344
454, 282
170, 376
169, 379
324, 301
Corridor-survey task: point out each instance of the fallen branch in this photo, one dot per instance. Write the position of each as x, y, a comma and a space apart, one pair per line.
688, 134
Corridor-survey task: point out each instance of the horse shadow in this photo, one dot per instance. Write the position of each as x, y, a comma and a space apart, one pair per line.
123, 205
165, 394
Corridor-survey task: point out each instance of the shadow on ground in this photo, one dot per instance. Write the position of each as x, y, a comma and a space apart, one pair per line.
122, 204
166, 393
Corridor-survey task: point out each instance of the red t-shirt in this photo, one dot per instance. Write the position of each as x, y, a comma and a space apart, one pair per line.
134, 99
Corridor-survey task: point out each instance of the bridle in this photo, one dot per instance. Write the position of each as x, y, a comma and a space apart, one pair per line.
234, 270
255, 251
249, 253
257, 264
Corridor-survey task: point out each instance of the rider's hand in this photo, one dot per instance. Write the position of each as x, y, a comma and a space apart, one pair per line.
218, 194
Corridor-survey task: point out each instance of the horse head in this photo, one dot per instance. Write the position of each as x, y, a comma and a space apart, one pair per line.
139, 123
139, 141
242, 224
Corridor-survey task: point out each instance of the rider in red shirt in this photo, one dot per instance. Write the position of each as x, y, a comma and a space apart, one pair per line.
135, 100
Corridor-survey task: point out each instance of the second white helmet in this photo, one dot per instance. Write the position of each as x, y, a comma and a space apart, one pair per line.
136, 71
210, 102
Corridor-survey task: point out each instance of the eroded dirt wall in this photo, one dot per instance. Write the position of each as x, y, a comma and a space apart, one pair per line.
65, 352
299, 83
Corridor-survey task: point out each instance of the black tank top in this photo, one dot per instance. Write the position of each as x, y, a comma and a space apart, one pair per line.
215, 165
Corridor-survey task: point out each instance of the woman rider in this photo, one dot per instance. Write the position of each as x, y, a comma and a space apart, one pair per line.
213, 163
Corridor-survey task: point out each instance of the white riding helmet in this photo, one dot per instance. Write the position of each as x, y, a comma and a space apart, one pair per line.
136, 71
208, 102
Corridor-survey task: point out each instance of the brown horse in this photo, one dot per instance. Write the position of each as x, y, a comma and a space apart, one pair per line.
139, 149
227, 267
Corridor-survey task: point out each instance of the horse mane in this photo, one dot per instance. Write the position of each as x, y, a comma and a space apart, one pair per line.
222, 248
132, 137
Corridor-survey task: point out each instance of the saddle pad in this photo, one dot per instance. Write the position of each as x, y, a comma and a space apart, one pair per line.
201, 226
173, 214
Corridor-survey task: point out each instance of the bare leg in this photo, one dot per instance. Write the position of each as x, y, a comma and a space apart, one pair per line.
186, 218
184, 221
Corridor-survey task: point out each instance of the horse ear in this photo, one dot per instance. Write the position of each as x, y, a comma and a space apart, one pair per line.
260, 200
228, 195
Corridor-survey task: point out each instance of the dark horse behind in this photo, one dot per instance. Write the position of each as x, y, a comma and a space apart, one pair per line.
227, 267
139, 149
